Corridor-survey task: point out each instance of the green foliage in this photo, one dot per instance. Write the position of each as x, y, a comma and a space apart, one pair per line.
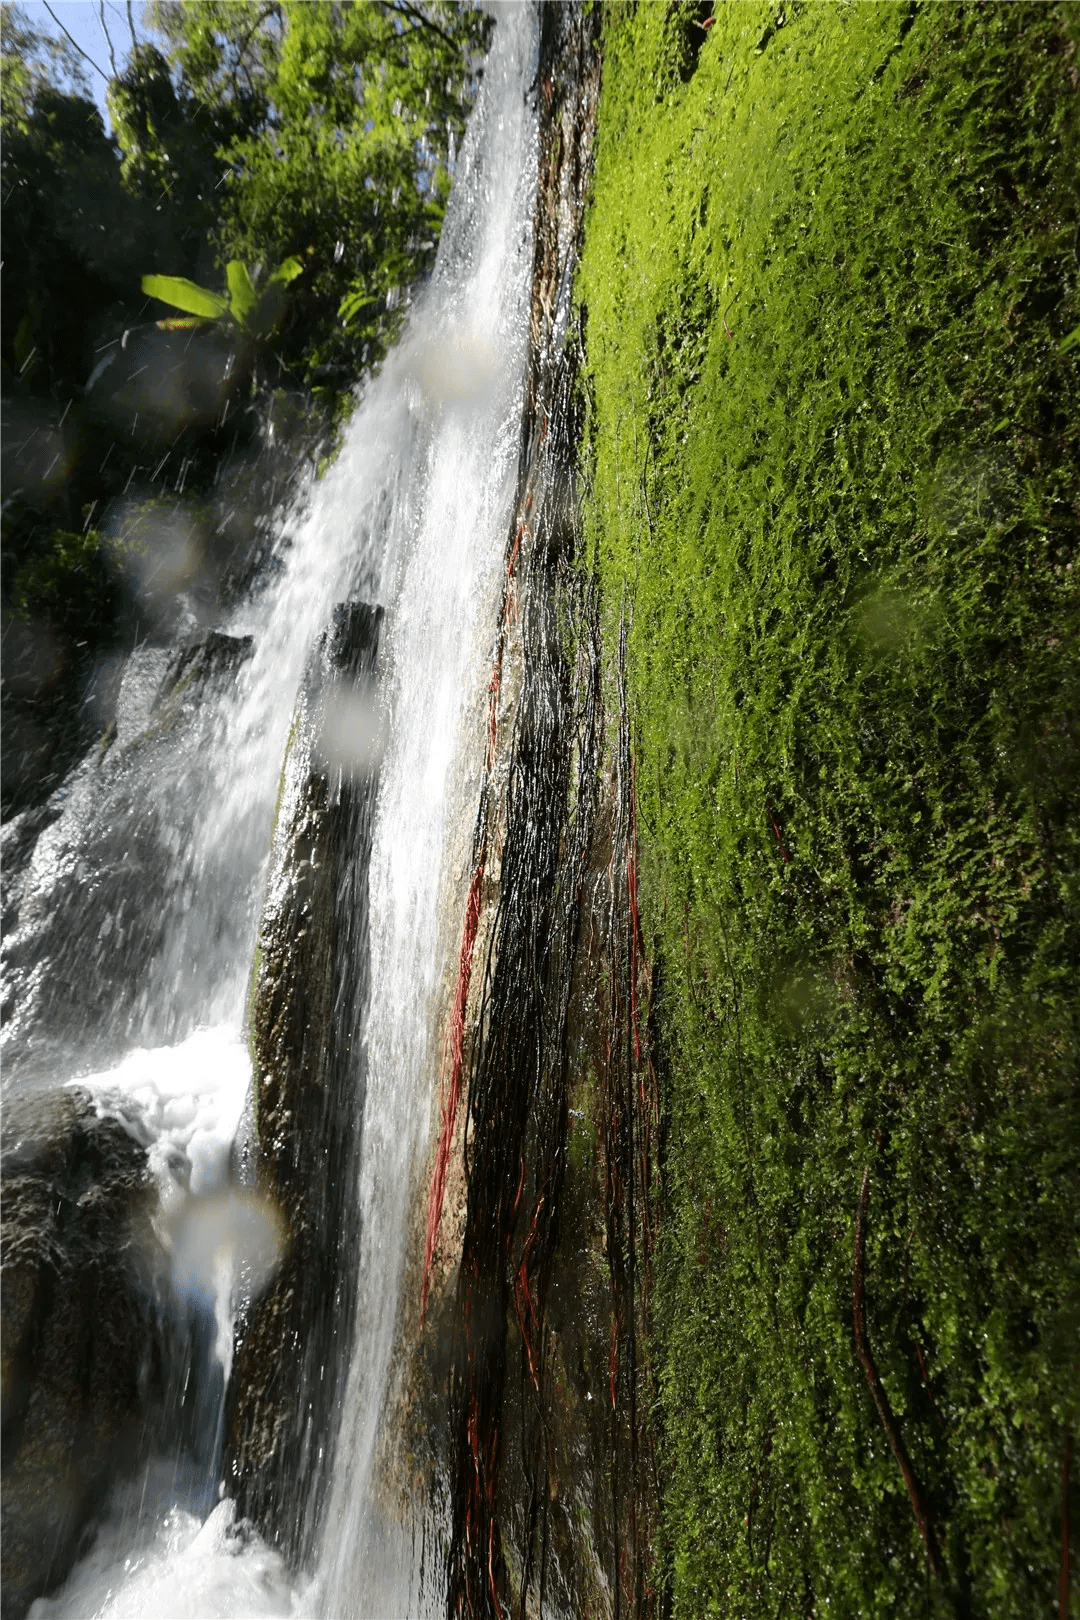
341, 155
831, 297
254, 312
69, 229
75, 585
267, 134
30, 59
168, 139
252, 134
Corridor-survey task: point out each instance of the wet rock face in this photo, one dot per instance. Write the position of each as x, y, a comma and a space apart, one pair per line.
76, 953
526, 1333
309, 996
86, 1366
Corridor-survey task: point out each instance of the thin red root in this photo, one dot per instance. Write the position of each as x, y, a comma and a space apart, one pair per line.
521, 1289
779, 840
491, 1565
614, 1357
474, 1442
521, 1286
637, 942
456, 1047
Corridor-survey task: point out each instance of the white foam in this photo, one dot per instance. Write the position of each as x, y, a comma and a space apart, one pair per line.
182, 1104
152, 1556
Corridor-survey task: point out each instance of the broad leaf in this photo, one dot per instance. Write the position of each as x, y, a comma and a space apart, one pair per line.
242, 294
287, 271
184, 294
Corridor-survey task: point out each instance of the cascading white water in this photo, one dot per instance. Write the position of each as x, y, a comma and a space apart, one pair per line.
440, 646
413, 515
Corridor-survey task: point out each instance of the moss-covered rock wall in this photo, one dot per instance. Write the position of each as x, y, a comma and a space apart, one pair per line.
830, 287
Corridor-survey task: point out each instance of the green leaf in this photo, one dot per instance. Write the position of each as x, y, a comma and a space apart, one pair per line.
1071, 342
184, 294
353, 302
287, 271
242, 294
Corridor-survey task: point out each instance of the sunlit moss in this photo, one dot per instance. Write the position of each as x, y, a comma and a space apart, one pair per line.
829, 283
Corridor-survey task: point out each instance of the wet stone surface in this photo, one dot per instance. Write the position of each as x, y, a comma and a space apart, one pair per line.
92, 1361
309, 995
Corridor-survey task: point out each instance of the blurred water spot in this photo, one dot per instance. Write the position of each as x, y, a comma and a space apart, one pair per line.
33, 659
888, 621
351, 732
460, 370
169, 379
224, 1248
164, 545
35, 456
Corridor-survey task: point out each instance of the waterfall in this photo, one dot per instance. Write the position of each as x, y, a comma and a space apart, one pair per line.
448, 598
413, 517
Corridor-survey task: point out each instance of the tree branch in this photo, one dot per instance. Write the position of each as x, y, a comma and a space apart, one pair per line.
74, 42
108, 40
881, 1400
131, 26
241, 49
403, 6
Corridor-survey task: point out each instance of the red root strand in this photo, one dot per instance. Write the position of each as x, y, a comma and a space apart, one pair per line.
779, 840
521, 1291
474, 1439
494, 688
517, 1195
916, 1495
521, 1285
636, 940
491, 1565
455, 1048
613, 1359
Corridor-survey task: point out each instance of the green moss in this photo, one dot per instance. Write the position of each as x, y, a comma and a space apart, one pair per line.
830, 283
74, 583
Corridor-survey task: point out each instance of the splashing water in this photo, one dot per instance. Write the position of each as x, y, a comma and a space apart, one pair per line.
413, 515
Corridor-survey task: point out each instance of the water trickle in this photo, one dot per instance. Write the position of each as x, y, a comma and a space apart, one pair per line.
412, 516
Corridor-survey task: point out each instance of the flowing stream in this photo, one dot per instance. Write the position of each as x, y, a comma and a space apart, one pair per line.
413, 516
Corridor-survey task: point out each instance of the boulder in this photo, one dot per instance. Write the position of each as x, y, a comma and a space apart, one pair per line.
89, 1365
309, 995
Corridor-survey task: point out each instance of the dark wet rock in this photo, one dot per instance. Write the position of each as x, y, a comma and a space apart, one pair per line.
86, 1357
47, 681
535, 1468
18, 838
309, 996
204, 661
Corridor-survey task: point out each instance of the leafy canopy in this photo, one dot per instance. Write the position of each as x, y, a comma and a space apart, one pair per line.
335, 127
